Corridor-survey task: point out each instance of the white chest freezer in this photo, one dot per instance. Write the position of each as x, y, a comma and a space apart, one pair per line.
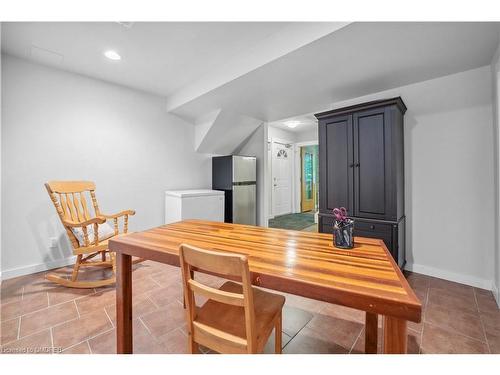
201, 204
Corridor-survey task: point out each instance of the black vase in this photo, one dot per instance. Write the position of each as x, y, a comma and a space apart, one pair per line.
342, 234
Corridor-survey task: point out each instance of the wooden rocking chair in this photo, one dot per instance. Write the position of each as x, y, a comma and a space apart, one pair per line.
69, 198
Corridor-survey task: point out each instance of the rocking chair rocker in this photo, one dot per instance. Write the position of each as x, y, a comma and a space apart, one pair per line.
69, 200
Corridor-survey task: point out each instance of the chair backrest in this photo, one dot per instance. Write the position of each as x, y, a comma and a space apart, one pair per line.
70, 200
226, 265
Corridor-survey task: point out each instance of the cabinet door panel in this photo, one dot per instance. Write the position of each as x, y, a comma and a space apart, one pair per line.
371, 164
336, 155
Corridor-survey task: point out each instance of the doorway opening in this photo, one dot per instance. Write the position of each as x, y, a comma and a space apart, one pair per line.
309, 172
293, 178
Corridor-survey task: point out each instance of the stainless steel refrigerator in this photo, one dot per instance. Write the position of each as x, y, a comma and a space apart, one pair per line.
237, 177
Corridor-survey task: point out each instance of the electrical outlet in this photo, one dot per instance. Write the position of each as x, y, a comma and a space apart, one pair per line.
53, 242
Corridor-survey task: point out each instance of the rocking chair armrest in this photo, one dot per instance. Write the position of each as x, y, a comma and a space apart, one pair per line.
74, 224
119, 214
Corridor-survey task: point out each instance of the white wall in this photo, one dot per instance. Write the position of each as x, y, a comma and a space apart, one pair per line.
281, 134
449, 175
256, 146
308, 135
0, 155
495, 70
59, 125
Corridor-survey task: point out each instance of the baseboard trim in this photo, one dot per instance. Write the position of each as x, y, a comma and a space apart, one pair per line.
451, 276
34, 268
496, 293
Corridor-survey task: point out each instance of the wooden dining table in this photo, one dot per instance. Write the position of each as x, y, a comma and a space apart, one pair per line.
301, 263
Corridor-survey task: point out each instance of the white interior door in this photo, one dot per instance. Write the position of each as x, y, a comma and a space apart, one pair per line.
282, 158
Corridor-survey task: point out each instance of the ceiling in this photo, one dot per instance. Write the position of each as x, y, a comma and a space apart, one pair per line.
157, 57
267, 71
301, 123
356, 60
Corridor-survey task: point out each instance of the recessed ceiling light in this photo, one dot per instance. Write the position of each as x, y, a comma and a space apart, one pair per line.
112, 55
292, 124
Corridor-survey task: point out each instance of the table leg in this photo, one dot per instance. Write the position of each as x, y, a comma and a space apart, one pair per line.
124, 303
371, 333
395, 335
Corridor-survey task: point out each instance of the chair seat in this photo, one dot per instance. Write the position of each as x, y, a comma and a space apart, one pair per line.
101, 245
231, 319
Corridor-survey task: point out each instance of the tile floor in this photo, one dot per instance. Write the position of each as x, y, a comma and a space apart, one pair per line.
40, 317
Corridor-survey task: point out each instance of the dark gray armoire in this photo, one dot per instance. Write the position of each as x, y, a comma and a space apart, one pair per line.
361, 168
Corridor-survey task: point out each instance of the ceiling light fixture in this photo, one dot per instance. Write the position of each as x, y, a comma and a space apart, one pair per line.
112, 55
292, 124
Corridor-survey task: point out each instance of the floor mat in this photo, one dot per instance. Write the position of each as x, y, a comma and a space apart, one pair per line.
293, 221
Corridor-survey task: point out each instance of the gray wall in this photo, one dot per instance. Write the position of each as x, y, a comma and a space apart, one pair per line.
449, 179
65, 126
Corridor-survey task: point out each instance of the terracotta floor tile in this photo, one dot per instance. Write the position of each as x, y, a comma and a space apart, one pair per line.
62, 294
413, 343
9, 331
491, 321
309, 326
24, 306
75, 331
486, 302
47, 318
294, 320
143, 285
417, 281
174, 342
141, 305
452, 288
157, 266
452, 302
359, 346
81, 348
144, 343
455, 320
166, 319
493, 342
308, 341
37, 286
39, 343
98, 301
146, 269
269, 347
10, 294
167, 278
343, 312
438, 340
105, 343
163, 296
342, 332
307, 304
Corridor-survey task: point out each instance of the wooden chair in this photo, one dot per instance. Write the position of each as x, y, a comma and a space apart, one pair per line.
70, 201
237, 318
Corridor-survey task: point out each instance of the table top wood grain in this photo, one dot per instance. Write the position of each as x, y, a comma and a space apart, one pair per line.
303, 263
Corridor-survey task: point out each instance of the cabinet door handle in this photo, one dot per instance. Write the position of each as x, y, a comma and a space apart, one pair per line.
356, 165
351, 165
372, 226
